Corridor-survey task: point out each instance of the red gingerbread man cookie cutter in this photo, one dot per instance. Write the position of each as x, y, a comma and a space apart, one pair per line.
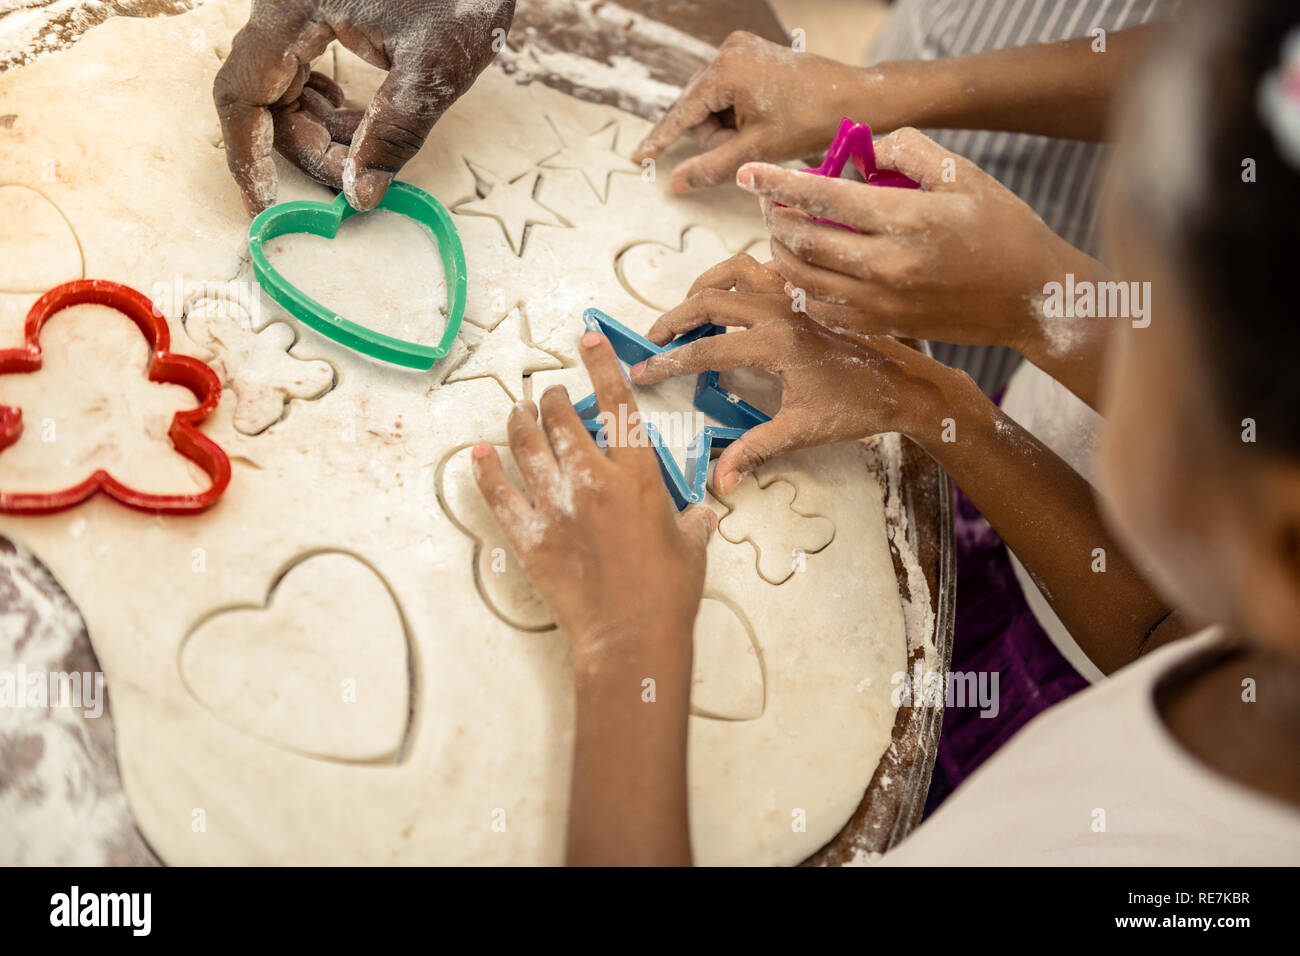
164, 367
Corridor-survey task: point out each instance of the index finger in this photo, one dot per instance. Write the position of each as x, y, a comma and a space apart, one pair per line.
263, 63
865, 208
617, 406
716, 353
697, 103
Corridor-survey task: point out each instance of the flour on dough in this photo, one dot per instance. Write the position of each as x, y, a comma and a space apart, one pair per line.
321, 668
505, 353
660, 275
258, 366
768, 517
89, 406
381, 270
41, 254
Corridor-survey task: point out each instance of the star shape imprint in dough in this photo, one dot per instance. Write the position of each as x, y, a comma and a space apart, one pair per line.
505, 353
512, 204
594, 157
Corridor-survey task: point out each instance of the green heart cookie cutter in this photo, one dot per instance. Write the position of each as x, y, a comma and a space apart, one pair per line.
324, 219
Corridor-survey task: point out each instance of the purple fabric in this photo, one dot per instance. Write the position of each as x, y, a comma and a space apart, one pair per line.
994, 631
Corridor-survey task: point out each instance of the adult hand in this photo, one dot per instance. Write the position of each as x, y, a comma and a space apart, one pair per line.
268, 97
761, 100
835, 387
597, 532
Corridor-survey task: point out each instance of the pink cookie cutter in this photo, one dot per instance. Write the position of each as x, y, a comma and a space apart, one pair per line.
853, 143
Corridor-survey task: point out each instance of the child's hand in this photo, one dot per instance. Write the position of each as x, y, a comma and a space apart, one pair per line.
964, 261
600, 540
761, 100
267, 95
834, 387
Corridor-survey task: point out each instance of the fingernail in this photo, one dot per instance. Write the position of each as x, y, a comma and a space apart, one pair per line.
728, 482
480, 450
744, 177
637, 369
591, 339
369, 188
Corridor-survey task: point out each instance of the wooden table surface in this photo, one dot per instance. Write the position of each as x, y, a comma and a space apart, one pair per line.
712, 20
892, 803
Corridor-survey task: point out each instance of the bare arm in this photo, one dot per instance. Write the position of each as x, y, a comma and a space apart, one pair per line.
628, 796
1047, 515
963, 260
762, 101
590, 521
838, 387
1062, 89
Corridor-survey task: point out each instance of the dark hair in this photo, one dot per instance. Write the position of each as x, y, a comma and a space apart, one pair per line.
1236, 241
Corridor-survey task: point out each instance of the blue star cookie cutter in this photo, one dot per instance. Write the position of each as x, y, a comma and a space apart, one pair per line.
735, 414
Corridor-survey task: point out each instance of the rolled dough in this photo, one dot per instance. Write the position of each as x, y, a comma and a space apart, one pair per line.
125, 121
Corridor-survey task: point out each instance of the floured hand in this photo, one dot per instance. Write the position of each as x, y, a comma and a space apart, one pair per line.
598, 533
964, 260
267, 95
835, 387
761, 100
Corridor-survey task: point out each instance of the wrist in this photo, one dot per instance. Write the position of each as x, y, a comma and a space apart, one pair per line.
885, 96
612, 651
909, 93
944, 422
1051, 338
924, 390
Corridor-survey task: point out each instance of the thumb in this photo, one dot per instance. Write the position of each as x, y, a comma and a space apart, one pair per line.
717, 166
912, 153
697, 524
761, 443
393, 129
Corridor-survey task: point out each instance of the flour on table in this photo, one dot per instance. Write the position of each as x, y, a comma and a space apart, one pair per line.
792, 711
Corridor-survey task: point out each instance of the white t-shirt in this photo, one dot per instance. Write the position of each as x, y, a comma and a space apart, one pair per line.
1099, 779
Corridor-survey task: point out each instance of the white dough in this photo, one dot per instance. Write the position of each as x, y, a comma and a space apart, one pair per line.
796, 676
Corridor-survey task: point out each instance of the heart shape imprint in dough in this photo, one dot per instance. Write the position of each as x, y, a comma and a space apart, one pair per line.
660, 276
44, 252
323, 668
324, 219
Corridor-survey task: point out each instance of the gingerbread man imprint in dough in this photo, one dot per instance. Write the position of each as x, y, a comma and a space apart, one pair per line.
257, 365
782, 535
